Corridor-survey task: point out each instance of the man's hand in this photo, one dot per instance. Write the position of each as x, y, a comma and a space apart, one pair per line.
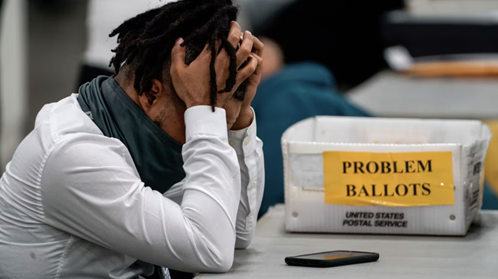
192, 82
246, 116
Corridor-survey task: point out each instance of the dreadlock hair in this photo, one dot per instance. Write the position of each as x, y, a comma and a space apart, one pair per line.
145, 41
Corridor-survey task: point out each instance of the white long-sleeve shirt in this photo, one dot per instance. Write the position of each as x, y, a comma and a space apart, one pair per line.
72, 204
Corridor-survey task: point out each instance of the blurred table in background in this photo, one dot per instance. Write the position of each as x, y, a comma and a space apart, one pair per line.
389, 94
414, 257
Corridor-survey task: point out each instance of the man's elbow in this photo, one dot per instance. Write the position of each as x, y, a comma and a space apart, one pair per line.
220, 263
242, 244
225, 265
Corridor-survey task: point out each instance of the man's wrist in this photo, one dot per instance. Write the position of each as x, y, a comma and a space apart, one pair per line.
244, 120
192, 104
202, 120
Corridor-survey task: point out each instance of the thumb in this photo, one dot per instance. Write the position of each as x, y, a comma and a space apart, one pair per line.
178, 56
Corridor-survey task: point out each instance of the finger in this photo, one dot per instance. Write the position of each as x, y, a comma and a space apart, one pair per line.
221, 53
245, 48
234, 34
222, 58
259, 69
205, 53
248, 70
234, 37
260, 63
218, 46
258, 47
178, 56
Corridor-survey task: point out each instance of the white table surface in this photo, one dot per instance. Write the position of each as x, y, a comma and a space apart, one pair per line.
389, 94
402, 257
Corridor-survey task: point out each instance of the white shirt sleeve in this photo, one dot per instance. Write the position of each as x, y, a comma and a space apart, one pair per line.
249, 149
91, 189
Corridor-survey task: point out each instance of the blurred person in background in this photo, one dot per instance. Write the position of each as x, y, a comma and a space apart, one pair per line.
343, 35
158, 165
288, 94
312, 47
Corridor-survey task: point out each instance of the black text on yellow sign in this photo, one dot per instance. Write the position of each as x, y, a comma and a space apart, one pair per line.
388, 179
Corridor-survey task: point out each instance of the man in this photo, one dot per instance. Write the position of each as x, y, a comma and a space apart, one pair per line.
83, 194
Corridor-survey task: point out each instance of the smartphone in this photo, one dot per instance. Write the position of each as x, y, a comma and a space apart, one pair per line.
332, 258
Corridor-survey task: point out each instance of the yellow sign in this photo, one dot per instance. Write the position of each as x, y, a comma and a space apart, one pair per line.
388, 179
491, 163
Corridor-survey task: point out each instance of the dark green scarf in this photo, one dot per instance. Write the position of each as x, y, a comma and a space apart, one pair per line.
157, 157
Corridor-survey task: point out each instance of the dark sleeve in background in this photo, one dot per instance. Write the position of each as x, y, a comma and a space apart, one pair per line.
52, 4
88, 73
432, 36
344, 35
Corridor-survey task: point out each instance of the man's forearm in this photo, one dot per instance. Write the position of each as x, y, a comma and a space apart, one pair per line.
250, 156
252, 181
106, 203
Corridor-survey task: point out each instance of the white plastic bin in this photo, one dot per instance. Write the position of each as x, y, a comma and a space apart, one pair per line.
464, 143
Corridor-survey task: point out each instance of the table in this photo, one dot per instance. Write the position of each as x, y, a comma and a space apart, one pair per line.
389, 94
402, 257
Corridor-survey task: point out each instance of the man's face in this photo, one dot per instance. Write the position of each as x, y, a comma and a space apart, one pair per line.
167, 110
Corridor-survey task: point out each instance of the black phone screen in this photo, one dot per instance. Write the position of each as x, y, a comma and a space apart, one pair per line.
332, 255
332, 258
